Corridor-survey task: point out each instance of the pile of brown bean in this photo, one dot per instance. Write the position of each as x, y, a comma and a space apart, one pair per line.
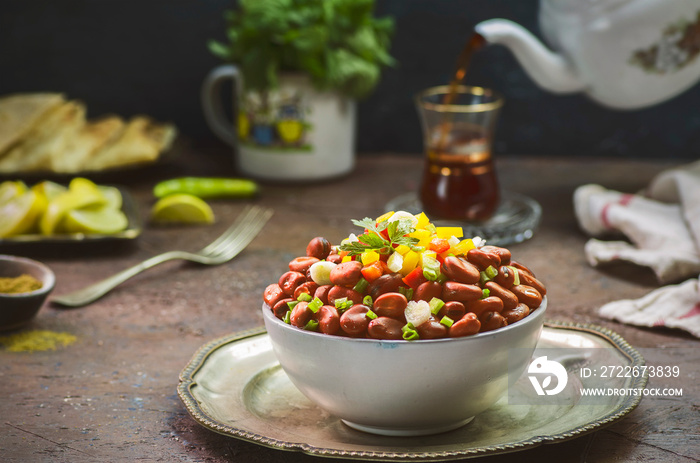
469, 301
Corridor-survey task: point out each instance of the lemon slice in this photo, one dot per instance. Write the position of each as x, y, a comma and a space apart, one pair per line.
49, 189
74, 198
104, 221
182, 208
112, 196
11, 189
21, 213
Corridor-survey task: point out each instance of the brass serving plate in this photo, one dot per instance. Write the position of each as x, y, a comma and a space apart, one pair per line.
235, 386
132, 230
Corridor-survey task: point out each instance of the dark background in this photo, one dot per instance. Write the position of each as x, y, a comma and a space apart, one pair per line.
150, 56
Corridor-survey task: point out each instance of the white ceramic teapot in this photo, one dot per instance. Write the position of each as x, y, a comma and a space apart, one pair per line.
624, 54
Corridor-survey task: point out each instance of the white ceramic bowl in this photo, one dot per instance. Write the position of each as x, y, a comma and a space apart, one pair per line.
404, 388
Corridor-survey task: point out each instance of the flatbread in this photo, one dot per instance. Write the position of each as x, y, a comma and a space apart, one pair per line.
87, 142
46, 140
141, 141
20, 112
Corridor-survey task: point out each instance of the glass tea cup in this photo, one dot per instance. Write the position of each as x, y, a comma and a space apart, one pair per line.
459, 178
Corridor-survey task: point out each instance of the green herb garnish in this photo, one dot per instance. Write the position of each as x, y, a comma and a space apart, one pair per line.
373, 240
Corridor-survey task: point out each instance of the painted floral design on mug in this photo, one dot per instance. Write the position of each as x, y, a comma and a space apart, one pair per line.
275, 120
678, 46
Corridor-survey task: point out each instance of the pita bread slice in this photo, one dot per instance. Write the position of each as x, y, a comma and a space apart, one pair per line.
87, 142
46, 140
20, 112
141, 141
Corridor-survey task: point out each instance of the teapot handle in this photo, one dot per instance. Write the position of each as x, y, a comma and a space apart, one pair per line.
212, 103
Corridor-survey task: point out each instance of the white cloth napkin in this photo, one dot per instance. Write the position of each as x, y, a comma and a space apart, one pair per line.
662, 227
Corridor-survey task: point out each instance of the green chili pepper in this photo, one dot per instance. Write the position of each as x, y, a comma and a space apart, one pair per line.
205, 187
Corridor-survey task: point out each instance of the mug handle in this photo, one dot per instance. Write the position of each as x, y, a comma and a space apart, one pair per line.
212, 104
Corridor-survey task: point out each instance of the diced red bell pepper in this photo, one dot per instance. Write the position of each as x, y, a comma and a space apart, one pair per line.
415, 278
385, 234
373, 271
439, 245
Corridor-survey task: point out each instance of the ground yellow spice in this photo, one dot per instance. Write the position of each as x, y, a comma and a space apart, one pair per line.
36, 340
21, 284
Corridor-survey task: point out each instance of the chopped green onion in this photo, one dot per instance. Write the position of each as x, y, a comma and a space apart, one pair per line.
418, 249
371, 315
361, 286
410, 335
407, 327
483, 278
442, 278
516, 274
315, 305
311, 325
306, 297
447, 321
367, 300
491, 271
431, 268
485, 293
435, 305
292, 304
288, 317
340, 302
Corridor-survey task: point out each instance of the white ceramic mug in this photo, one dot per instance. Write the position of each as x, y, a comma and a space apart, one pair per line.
292, 133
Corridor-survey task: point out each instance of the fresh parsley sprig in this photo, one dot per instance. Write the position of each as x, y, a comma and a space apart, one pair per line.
373, 239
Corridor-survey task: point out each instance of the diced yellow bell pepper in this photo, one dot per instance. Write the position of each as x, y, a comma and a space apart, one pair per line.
428, 254
423, 237
448, 232
346, 259
369, 257
402, 249
410, 261
384, 217
423, 221
463, 247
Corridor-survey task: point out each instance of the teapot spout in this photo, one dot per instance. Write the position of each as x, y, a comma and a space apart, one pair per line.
548, 69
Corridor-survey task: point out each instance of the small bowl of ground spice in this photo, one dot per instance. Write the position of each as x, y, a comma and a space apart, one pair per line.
24, 286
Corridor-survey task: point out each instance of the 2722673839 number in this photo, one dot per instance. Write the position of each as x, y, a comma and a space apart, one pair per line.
658, 371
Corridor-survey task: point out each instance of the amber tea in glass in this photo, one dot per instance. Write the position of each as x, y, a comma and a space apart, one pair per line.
459, 178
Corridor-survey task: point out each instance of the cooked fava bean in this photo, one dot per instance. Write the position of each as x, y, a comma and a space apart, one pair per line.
492, 321
385, 284
516, 314
503, 253
427, 290
487, 304
460, 270
528, 295
346, 274
385, 328
453, 291
520, 266
308, 287
272, 294
301, 314
510, 300
505, 277
328, 319
318, 247
289, 282
466, 326
322, 293
390, 305
302, 264
528, 279
281, 308
432, 329
354, 321
452, 309
339, 292
483, 259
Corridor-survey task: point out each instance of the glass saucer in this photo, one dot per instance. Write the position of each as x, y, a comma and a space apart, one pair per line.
515, 220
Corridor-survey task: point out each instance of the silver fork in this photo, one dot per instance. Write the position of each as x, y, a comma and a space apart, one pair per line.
227, 246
